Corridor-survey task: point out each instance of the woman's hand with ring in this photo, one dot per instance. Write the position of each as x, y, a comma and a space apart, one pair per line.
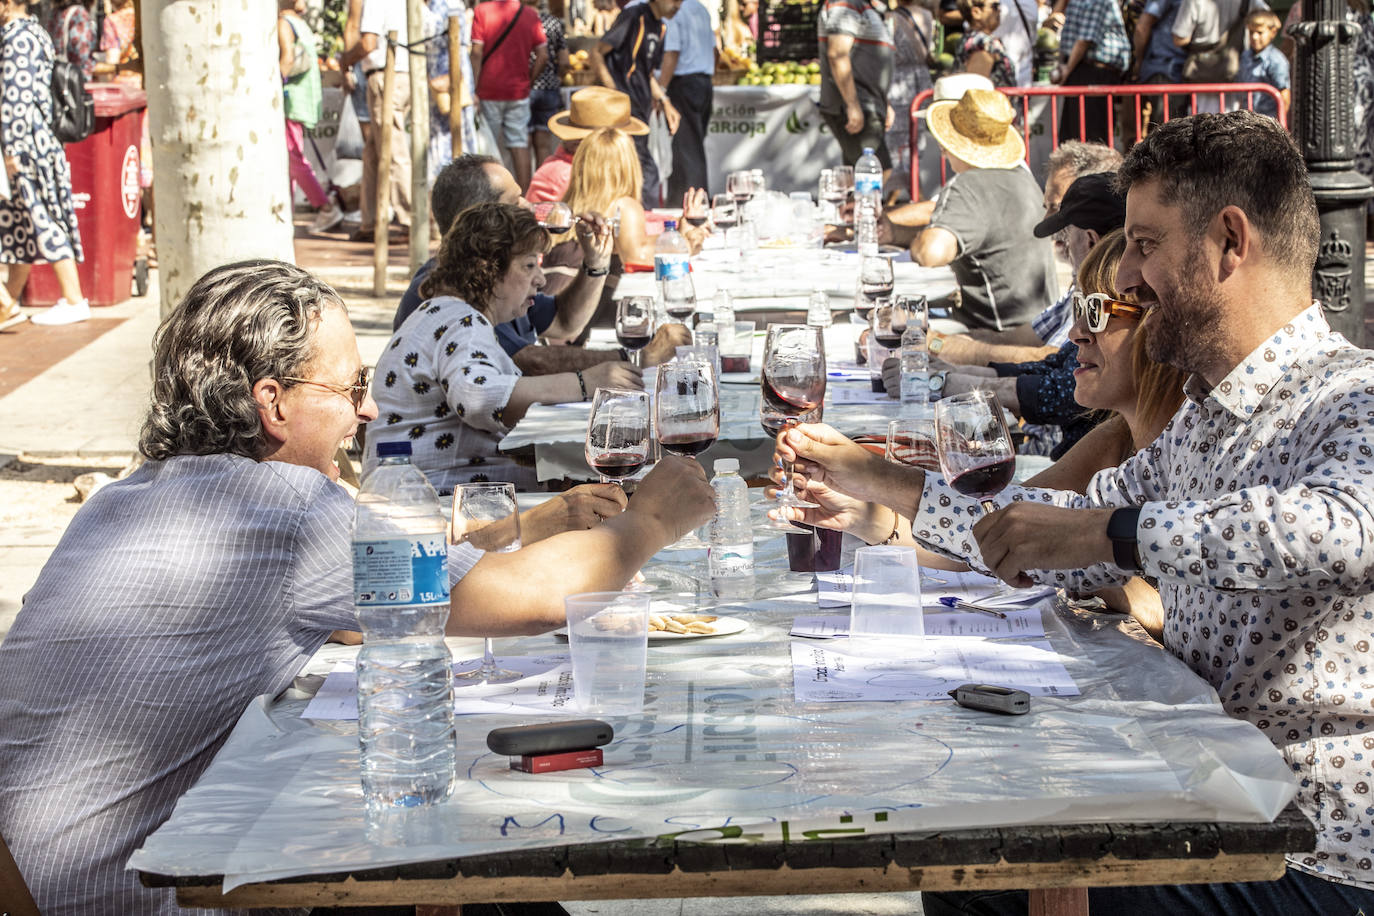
595, 238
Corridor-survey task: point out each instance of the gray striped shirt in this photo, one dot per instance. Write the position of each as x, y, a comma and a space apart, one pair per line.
174, 598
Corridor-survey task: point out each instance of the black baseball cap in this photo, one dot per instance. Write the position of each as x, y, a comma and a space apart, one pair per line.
1091, 202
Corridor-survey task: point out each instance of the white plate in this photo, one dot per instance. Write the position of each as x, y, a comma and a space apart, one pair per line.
724, 626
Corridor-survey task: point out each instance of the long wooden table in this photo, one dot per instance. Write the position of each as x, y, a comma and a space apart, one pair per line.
800, 798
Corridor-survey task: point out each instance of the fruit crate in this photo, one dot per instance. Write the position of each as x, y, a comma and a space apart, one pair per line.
787, 31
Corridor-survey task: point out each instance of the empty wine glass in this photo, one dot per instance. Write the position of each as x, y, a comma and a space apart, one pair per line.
977, 456
793, 388
618, 433
875, 279
554, 215
486, 516
634, 324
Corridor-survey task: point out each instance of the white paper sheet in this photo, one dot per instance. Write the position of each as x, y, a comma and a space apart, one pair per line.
836, 589
545, 688
928, 671
853, 394
1019, 623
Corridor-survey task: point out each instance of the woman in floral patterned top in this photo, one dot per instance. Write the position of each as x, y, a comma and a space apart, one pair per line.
73, 34
980, 52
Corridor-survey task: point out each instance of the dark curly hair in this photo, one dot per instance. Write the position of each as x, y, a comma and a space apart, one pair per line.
478, 249
238, 324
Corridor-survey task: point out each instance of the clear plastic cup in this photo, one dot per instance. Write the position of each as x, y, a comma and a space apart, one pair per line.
736, 346
608, 635
887, 594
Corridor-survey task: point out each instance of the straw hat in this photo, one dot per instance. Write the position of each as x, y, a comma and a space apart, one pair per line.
977, 129
593, 108
952, 88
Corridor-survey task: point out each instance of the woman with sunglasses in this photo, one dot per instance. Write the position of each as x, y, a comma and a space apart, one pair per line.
1115, 375
979, 51
445, 384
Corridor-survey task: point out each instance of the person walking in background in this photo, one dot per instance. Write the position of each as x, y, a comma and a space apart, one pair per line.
1204, 24
1017, 32
1097, 53
980, 51
546, 98
300, 73
913, 29
444, 91
117, 34
1156, 59
1262, 62
378, 18
856, 70
626, 58
689, 59
73, 35
38, 219
509, 48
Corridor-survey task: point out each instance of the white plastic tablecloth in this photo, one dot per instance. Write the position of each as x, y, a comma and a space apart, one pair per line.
721, 741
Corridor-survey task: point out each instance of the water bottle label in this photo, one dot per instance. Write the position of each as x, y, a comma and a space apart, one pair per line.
730, 559
394, 572
868, 184
671, 267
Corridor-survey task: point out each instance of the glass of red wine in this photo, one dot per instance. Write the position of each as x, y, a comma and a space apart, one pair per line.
888, 321
977, 456
793, 388
554, 215
875, 281
634, 324
618, 436
687, 412
694, 207
741, 187
724, 212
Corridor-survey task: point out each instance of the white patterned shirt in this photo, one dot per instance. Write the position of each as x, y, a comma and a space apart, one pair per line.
442, 384
1257, 519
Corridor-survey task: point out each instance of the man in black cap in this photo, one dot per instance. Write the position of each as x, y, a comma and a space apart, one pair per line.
1041, 391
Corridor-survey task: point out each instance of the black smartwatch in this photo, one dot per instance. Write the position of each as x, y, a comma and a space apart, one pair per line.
1121, 530
595, 271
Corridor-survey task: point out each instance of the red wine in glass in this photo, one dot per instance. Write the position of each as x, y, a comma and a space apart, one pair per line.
734, 364
985, 481
792, 396
682, 312
618, 466
891, 341
688, 445
633, 341
695, 220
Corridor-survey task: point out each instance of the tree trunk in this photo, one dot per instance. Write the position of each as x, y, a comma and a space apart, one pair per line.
218, 137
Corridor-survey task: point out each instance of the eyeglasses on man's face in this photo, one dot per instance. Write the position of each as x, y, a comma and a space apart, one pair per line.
1096, 309
357, 392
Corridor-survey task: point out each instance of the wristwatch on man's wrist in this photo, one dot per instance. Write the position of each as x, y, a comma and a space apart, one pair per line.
1121, 531
934, 345
937, 383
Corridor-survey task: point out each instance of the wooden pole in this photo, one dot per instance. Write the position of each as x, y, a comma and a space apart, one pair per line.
419, 135
381, 235
455, 81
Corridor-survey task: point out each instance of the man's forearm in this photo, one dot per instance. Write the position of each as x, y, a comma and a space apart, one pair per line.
843, 75
575, 305
540, 360
603, 72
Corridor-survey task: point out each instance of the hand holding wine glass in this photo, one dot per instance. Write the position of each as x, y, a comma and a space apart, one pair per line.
977, 456
694, 207
793, 388
555, 216
618, 433
486, 516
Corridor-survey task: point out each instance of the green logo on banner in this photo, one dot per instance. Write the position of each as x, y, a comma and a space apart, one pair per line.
795, 125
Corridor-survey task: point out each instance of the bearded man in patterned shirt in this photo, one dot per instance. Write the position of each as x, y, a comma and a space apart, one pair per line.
1253, 510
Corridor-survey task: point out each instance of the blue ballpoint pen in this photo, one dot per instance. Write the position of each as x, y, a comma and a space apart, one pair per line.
962, 605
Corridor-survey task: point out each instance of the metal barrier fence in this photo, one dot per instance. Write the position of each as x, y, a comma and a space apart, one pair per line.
1036, 105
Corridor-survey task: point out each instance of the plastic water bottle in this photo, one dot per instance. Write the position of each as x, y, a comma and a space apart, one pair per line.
405, 671
915, 370
868, 201
730, 557
723, 312
818, 309
672, 270
866, 231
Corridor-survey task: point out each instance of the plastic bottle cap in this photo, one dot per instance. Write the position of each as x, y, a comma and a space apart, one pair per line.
393, 449
669, 225
868, 151
726, 465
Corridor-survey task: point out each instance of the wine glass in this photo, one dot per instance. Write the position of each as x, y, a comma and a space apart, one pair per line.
554, 215
875, 279
889, 321
911, 441
793, 387
687, 411
634, 324
486, 516
917, 309
618, 433
977, 457
833, 191
724, 212
694, 206
844, 175
741, 187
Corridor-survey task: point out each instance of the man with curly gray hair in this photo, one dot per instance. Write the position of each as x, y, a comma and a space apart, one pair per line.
212, 573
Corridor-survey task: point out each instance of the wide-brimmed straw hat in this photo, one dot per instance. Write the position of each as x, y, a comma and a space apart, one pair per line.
951, 88
593, 108
977, 129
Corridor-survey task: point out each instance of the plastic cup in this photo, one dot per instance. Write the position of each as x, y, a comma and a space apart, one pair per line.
814, 549
736, 346
608, 635
887, 594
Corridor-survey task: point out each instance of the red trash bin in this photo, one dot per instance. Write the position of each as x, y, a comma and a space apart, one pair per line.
107, 198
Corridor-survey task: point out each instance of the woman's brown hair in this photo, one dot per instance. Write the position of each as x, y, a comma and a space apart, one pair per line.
478, 250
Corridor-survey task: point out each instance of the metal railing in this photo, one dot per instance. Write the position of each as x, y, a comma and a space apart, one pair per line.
1134, 94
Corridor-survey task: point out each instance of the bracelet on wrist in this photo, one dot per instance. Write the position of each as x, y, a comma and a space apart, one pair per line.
891, 538
581, 383
595, 271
